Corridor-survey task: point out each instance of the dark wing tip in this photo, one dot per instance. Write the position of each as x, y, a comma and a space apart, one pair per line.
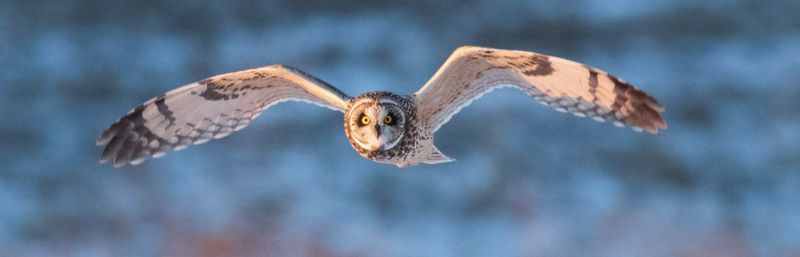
126, 141
636, 108
655, 109
654, 104
117, 143
644, 112
130, 140
108, 134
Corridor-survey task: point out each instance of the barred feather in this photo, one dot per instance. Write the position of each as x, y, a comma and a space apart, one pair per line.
209, 109
561, 84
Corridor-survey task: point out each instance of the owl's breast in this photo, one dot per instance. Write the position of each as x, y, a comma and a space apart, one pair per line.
411, 150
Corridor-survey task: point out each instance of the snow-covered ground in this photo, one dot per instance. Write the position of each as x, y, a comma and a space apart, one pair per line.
723, 180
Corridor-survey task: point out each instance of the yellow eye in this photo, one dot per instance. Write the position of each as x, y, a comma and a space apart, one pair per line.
365, 120
388, 119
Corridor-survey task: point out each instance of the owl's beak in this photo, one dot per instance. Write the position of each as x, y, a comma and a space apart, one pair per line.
375, 144
379, 141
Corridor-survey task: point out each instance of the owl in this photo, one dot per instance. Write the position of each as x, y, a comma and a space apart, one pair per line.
385, 127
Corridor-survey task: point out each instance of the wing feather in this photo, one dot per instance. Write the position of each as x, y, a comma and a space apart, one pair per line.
209, 109
558, 83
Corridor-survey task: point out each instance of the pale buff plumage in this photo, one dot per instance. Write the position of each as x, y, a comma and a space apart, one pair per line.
217, 106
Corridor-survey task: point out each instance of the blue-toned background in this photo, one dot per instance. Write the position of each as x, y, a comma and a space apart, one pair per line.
723, 180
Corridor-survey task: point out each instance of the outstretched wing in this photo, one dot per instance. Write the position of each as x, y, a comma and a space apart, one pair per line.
562, 84
207, 109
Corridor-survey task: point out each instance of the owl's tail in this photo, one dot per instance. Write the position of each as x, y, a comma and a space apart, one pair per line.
437, 157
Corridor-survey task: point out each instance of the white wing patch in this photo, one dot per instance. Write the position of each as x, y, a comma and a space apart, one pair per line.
209, 109
561, 84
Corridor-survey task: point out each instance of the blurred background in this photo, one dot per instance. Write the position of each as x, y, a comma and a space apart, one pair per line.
723, 180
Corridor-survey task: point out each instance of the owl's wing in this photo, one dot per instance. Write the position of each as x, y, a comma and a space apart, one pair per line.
210, 108
562, 84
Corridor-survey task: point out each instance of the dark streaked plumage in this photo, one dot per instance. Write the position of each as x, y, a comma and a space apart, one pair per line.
381, 126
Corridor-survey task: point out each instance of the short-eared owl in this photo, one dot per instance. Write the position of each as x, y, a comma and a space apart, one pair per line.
381, 126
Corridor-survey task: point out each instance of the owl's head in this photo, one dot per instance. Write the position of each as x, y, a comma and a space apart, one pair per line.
375, 121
